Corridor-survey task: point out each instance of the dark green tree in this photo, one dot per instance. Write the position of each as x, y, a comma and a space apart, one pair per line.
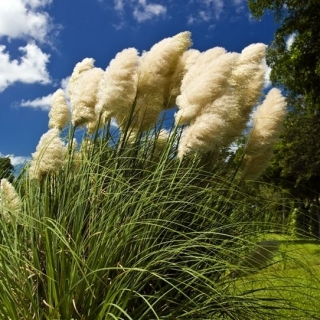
296, 68
296, 167
6, 169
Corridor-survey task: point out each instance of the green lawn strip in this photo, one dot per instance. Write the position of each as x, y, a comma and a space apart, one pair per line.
292, 276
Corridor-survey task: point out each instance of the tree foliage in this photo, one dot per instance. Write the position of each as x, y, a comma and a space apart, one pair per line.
296, 66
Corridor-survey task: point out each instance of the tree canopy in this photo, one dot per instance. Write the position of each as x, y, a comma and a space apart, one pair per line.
294, 57
296, 65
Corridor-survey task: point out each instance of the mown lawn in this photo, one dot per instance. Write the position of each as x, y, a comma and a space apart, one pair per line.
291, 277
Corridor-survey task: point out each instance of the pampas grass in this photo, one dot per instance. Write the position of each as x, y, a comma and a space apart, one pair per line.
128, 236
121, 227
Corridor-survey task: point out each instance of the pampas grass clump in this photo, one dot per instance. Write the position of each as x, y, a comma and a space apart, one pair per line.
138, 221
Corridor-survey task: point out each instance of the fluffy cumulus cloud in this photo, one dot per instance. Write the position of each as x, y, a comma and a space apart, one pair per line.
44, 103
146, 11
30, 68
24, 19
142, 10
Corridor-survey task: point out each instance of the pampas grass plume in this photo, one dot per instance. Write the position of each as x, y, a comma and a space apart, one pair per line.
59, 114
267, 125
248, 76
83, 87
9, 199
118, 86
49, 156
207, 86
155, 73
201, 62
185, 62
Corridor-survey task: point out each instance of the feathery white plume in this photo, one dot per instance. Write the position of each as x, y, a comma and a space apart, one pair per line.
10, 201
59, 114
118, 86
267, 125
49, 156
82, 88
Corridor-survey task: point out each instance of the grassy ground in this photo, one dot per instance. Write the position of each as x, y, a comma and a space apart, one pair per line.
291, 277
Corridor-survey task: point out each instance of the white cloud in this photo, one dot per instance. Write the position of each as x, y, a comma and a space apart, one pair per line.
143, 11
208, 11
204, 15
211, 10
30, 68
290, 41
191, 20
15, 160
218, 6
24, 19
267, 81
44, 103
18, 160
114, 123
238, 2
239, 5
118, 5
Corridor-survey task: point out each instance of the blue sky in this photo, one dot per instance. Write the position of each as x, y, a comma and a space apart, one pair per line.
42, 40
